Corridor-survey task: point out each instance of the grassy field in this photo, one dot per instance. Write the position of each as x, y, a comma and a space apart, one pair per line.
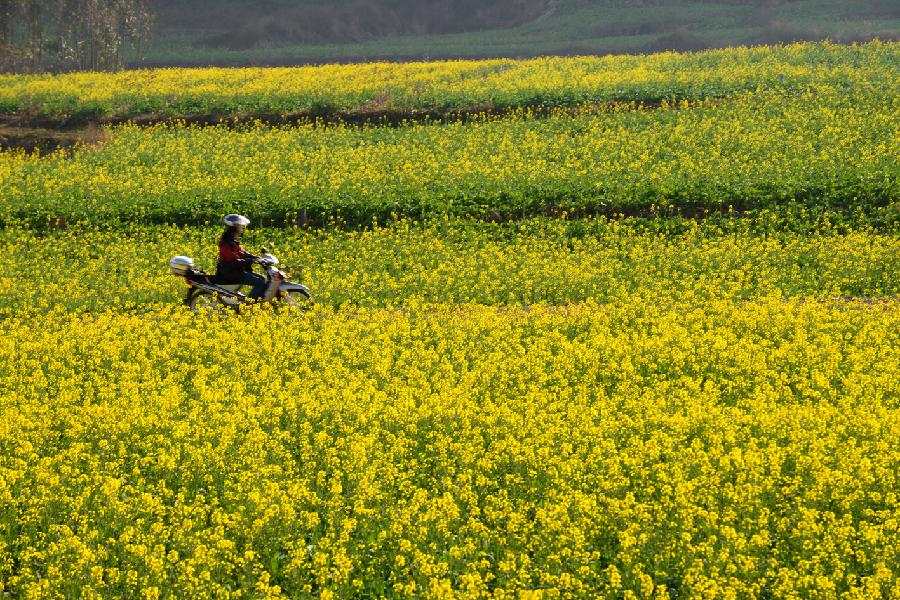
598, 350
185, 37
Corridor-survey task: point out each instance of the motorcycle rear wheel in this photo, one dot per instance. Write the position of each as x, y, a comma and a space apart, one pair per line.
207, 303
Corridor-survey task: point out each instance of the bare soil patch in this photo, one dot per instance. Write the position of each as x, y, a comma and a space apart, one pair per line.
46, 141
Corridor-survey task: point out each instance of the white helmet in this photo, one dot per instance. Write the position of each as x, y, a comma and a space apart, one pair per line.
232, 220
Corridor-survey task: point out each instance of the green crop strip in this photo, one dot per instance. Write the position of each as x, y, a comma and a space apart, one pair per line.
828, 148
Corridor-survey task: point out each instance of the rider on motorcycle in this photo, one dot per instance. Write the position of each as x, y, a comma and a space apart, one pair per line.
235, 265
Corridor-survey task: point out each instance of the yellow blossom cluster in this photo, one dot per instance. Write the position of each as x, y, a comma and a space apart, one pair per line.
734, 449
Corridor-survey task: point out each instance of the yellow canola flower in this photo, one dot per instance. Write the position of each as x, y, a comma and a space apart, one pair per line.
455, 450
539, 409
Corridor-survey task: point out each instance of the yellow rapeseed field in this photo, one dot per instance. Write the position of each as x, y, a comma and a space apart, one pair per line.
488, 397
540, 409
823, 147
730, 450
550, 261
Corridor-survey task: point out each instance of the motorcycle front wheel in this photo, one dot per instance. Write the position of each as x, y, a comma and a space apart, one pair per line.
295, 298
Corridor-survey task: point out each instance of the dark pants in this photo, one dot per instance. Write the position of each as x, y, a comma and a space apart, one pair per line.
257, 281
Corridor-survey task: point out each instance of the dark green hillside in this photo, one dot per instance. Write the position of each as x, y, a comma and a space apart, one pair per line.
231, 32
235, 24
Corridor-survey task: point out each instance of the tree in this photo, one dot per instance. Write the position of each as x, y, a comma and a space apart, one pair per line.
64, 35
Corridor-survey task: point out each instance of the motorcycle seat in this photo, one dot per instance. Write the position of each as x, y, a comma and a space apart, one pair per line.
201, 277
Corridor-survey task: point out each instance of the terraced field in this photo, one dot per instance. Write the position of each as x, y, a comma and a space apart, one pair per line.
423, 89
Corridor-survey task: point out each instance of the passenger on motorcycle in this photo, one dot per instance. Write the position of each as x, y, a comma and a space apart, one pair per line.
235, 265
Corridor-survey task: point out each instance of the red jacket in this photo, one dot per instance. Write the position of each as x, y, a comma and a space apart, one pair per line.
230, 250
233, 259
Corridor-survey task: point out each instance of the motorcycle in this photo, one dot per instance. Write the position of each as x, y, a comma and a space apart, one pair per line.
205, 294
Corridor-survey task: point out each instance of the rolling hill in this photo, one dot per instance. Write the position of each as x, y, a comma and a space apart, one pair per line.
275, 32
